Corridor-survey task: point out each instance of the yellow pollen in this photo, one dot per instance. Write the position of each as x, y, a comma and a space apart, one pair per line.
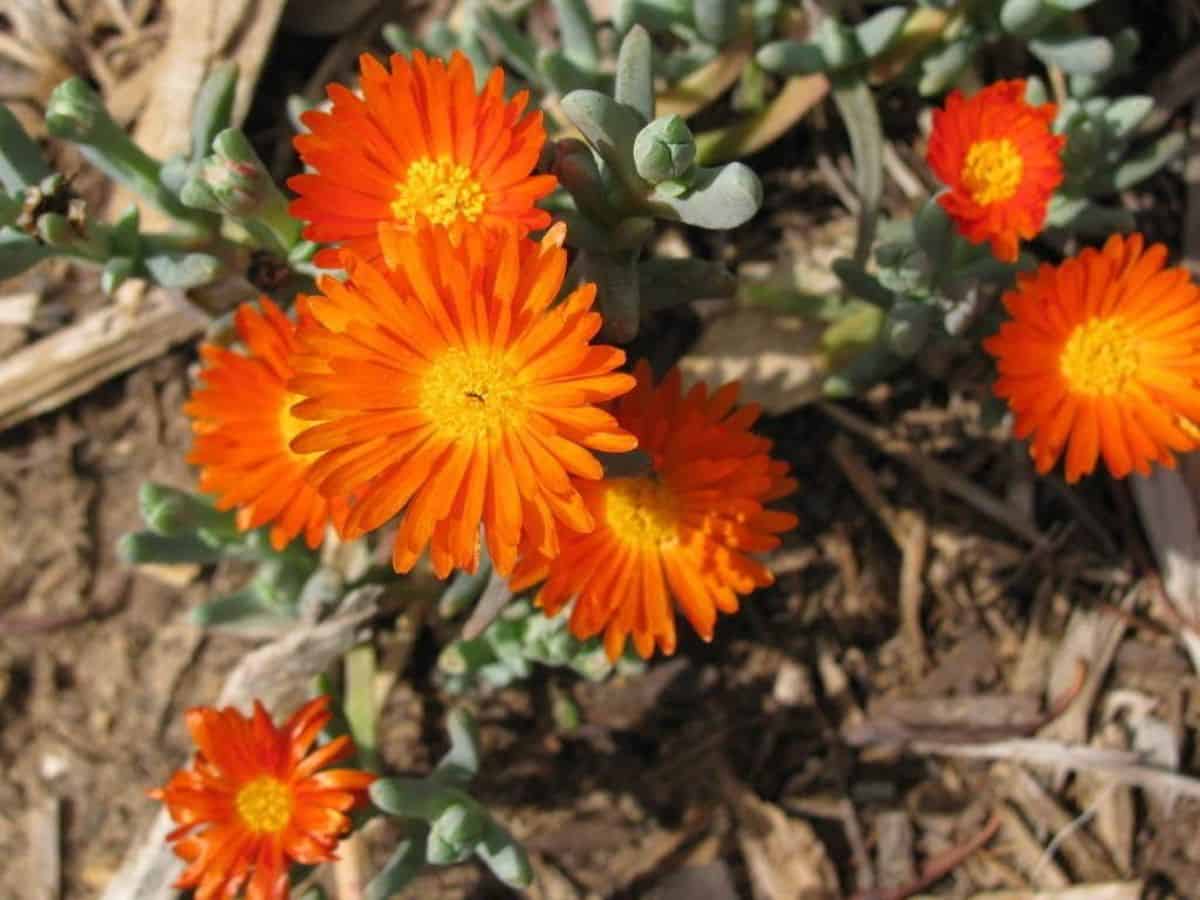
289, 425
992, 171
1100, 357
471, 394
265, 804
440, 190
641, 511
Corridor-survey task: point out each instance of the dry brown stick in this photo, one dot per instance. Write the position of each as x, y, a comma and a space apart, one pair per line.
910, 533
45, 844
112, 340
491, 603
938, 867
1123, 766
936, 473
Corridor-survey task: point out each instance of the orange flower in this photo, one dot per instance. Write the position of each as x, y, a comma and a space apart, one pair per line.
1000, 161
457, 393
683, 530
421, 146
255, 800
1102, 357
243, 422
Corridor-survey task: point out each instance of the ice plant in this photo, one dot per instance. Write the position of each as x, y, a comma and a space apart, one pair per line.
255, 800
458, 394
241, 415
679, 535
1101, 357
1000, 162
421, 146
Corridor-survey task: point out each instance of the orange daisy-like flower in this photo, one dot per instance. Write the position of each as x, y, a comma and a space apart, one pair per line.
1000, 161
255, 800
458, 393
682, 531
242, 419
420, 146
1102, 357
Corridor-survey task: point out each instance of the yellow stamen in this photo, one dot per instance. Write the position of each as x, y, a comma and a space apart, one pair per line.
289, 425
641, 511
471, 393
992, 170
1100, 357
440, 190
265, 804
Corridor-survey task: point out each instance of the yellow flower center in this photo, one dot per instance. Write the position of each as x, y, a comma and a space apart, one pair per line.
642, 511
440, 190
992, 171
289, 425
471, 394
1100, 357
264, 804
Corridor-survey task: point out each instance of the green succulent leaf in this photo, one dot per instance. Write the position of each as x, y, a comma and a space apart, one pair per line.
505, 857
1075, 54
839, 44
716, 20
150, 547
792, 58
610, 128
934, 233
18, 252
856, 104
667, 282
1147, 162
213, 111
877, 33
577, 29
563, 75
908, 327
720, 198
1026, 18
941, 68
1124, 115
656, 15
461, 762
859, 283
634, 87
183, 270
405, 863
21, 163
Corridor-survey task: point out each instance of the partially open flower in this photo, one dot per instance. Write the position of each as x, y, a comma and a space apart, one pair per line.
421, 146
1001, 163
1102, 358
453, 389
681, 533
256, 800
242, 418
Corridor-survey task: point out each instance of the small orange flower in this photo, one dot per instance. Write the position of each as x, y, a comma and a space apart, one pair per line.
1000, 161
683, 530
243, 423
1102, 357
458, 393
255, 800
420, 146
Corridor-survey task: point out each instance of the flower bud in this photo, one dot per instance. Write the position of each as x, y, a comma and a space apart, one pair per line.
76, 113
664, 149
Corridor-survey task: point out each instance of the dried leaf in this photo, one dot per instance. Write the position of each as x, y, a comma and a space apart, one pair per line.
777, 358
784, 856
